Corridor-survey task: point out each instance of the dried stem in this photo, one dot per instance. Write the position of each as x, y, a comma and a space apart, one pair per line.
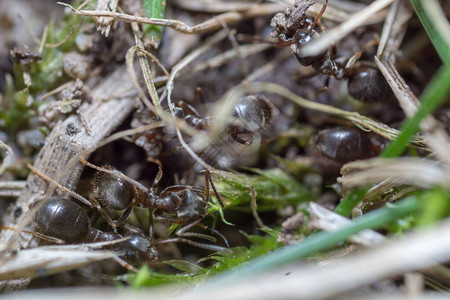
205, 27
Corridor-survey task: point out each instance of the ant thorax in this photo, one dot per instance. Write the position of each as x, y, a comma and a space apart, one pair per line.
165, 202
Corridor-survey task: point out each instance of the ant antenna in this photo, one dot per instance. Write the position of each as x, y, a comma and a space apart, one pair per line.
317, 20
115, 173
158, 175
208, 179
63, 188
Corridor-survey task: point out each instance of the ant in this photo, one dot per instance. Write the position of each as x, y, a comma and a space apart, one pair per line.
252, 114
62, 221
179, 204
294, 29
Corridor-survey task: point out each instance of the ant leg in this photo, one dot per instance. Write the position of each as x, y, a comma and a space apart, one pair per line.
166, 219
189, 108
123, 217
182, 232
63, 188
207, 186
183, 229
196, 244
179, 188
222, 237
131, 228
319, 16
105, 214
198, 235
208, 177
115, 173
235, 133
151, 224
199, 95
126, 265
158, 175
36, 234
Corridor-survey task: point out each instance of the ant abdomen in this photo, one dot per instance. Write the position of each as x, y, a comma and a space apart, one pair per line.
62, 219
138, 249
367, 84
112, 191
67, 221
343, 145
255, 112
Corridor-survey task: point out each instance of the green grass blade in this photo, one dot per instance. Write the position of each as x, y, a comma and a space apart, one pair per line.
436, 26
315, 243
154, 9
350, 201
436, 92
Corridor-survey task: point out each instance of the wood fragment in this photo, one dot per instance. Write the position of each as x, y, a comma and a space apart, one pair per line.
59, 158
39, 261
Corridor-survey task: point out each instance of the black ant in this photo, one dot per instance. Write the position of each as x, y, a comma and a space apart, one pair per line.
294, 29
180, 204
251, 114
62, 221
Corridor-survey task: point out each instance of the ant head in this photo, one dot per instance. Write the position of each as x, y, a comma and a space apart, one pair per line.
194, 206
169, 201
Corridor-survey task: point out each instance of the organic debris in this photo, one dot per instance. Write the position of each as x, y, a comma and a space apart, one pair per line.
206, 144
